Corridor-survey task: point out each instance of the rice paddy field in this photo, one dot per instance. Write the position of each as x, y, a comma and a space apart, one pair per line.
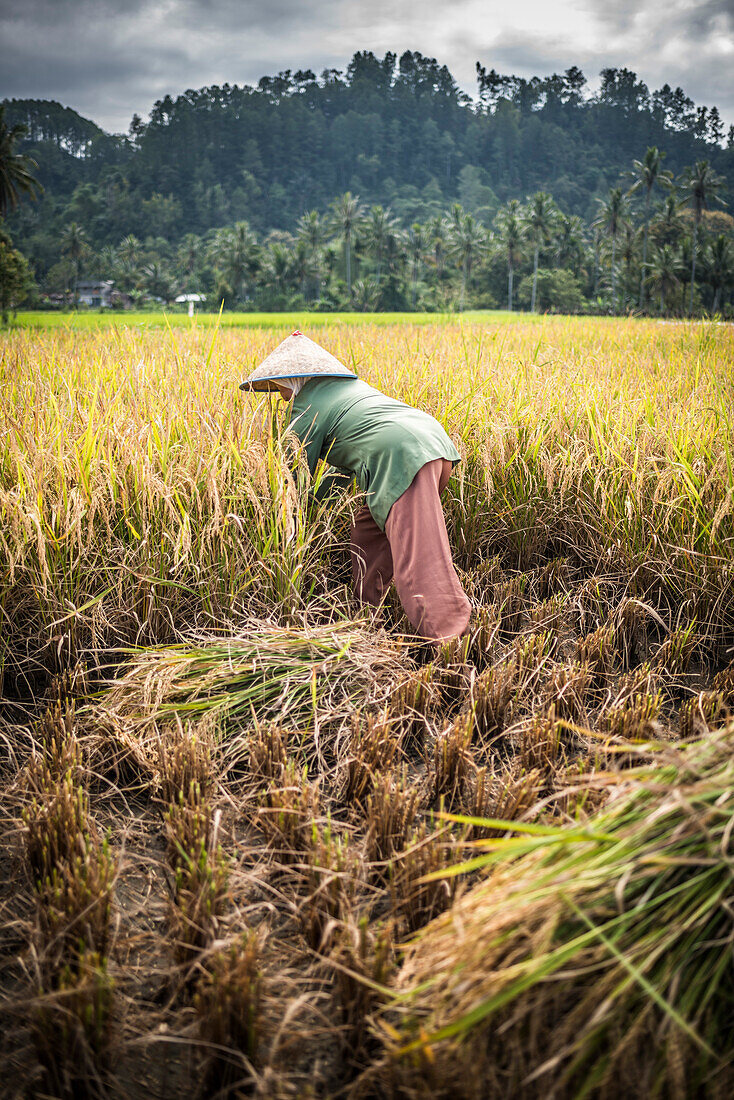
258, 841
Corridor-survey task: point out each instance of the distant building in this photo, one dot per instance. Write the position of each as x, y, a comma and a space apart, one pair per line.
95, 293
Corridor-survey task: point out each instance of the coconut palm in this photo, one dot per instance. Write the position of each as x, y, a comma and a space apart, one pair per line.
416, 246
664, 272
701, 185
718, 261
366, 295
312, 231
302, 263
436, 241
346, 215
667, 226
569, 250
646, 173
158, 281
610, 219
377, 227
16, 175
467, 243
74, 245
539, 224
277, 267
508, 225
237, 252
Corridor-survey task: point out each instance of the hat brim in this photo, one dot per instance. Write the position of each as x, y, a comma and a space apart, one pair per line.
269, 385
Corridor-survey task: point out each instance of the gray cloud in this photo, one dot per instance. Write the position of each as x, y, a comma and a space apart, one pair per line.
109, 58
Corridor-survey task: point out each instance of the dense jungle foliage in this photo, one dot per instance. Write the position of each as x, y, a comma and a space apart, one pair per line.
386, 186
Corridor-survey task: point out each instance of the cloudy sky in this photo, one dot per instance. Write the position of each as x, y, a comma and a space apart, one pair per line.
110, 58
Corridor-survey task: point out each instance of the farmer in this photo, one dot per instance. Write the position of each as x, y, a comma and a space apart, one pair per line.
401, 457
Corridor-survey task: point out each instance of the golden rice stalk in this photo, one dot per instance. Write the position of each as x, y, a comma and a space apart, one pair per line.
373, 748
392, 808
415, 900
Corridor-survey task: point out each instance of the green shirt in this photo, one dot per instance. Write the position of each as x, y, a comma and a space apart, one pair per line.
381, 442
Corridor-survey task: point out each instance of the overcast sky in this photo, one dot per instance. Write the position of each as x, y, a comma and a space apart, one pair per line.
110, 58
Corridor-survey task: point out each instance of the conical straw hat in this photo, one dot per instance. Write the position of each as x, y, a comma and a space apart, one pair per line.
295, 357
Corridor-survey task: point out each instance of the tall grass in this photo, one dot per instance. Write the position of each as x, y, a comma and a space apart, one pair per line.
141, 493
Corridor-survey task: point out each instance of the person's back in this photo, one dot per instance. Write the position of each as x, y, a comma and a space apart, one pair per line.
380, 441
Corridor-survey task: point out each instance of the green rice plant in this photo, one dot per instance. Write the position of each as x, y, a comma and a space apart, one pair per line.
72, 1029
229, 1004
593, 947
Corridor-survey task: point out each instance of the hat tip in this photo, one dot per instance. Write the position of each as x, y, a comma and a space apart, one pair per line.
297, 332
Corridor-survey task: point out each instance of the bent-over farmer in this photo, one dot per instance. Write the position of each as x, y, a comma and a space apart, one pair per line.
401, 458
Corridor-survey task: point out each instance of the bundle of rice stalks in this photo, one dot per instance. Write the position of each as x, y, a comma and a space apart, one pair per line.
597, 958
298, 677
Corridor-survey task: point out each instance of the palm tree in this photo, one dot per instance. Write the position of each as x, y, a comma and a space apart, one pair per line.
375, 231
277, 267
158, 281
509, 233
16, 176
467, 243
702, 186
436, 239
570, 243
346, 215
646, 173
540, 220
312, 231
74, 245
664, 272
366, 295
667, 226
416, 246
302, 263
188, 254
238, 253
610, 219
719, 266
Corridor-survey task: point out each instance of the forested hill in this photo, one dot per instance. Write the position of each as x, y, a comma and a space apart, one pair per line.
396, 132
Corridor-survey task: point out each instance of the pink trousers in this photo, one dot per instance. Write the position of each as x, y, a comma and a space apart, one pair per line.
414, 550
